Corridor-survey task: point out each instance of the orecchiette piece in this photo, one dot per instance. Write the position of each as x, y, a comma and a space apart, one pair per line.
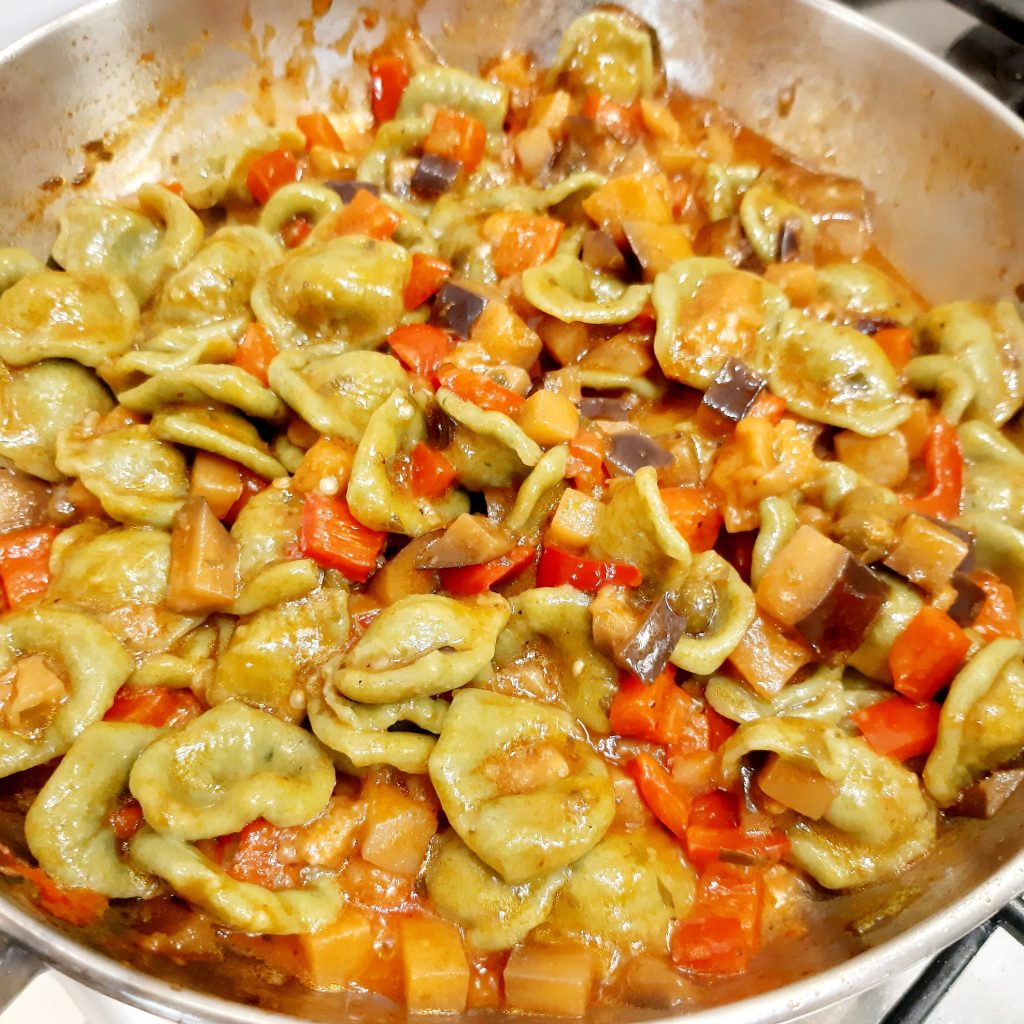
570, 291
879, 820
306, 199
242, 905
67, 826
92, 663
493, 914
766, 214
16, 264
865, 292
87, 317
458, 90
819, 696
419, 646
228, 767
520, 784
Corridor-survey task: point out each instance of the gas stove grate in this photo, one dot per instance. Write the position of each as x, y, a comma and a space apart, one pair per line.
917, 1003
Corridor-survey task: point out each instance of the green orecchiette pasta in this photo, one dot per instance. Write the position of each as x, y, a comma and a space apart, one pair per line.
242, 905
305, 199
539, 491
521, 823
457, 90
336, 394
67, 826
819, 696
40, 401
865, 291
92, 663
570, 291
419, 646
765, 212
16, 264
88, 317
228, 767
493, 914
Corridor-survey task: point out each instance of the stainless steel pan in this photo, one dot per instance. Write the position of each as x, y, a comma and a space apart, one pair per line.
108, 97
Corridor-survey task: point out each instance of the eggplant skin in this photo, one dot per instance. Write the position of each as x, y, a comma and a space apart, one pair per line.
836, 627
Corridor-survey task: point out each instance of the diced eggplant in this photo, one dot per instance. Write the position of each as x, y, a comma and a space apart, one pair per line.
929, 552
734, 391
986, 796
601, 252
457, 309
836, 627
400, 576
872, 325
440, 427
968, 601
604, 408
434, 175
347, 189
801, 789
470, 540
789, 239
725, 238
649, 649
632, 450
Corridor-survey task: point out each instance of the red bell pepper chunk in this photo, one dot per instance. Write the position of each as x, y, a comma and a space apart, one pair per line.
719, 727
319, 131
625, 123
723, 929
160, 706
252, 484
430, 473
334, 538
927, 654
79, 907
420, 348
767, 407
126, 820
694, 512
25, 563
295, 232
706, 843
944, 467
897, 343
271, 171
254, 855
364, 215
586, 461
425, 279
389, 75
255, 352
668, 801
997, 616
899, 728
480, 390
717, 809
558, 567
659, 713
527, 242
456, 136
467, 580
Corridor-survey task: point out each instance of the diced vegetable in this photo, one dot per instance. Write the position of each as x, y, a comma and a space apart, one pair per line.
457, 136
326, 467
659, 713
254, 855
632, 450
615, 409
734, 391
256, 352
269, 172
318, 131
968, 601
623, 122
346, 190
717, 809
899, 728
399, 576
25, 563
695, 514
430, 473
549, 980
457, 309
203, 573
587, 574
767, 658
897, 343
365, 215
528, 241
927, 654
389, 75
480, 390
669, 802
984, 798
657, 246
647, 652
575, 519
636, 197
338, 955
723, 929
549, 418
944, 466
705, 844
801, 789
425, 279
30, 693
434, 965
79, 907
332, 536
882, 459
126, 820
475, 579
252, 484
600, 252
397, 830
998, 616
434, 175
586, 461
420, 347
470, 540
160, 706
928, 553
767, 407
